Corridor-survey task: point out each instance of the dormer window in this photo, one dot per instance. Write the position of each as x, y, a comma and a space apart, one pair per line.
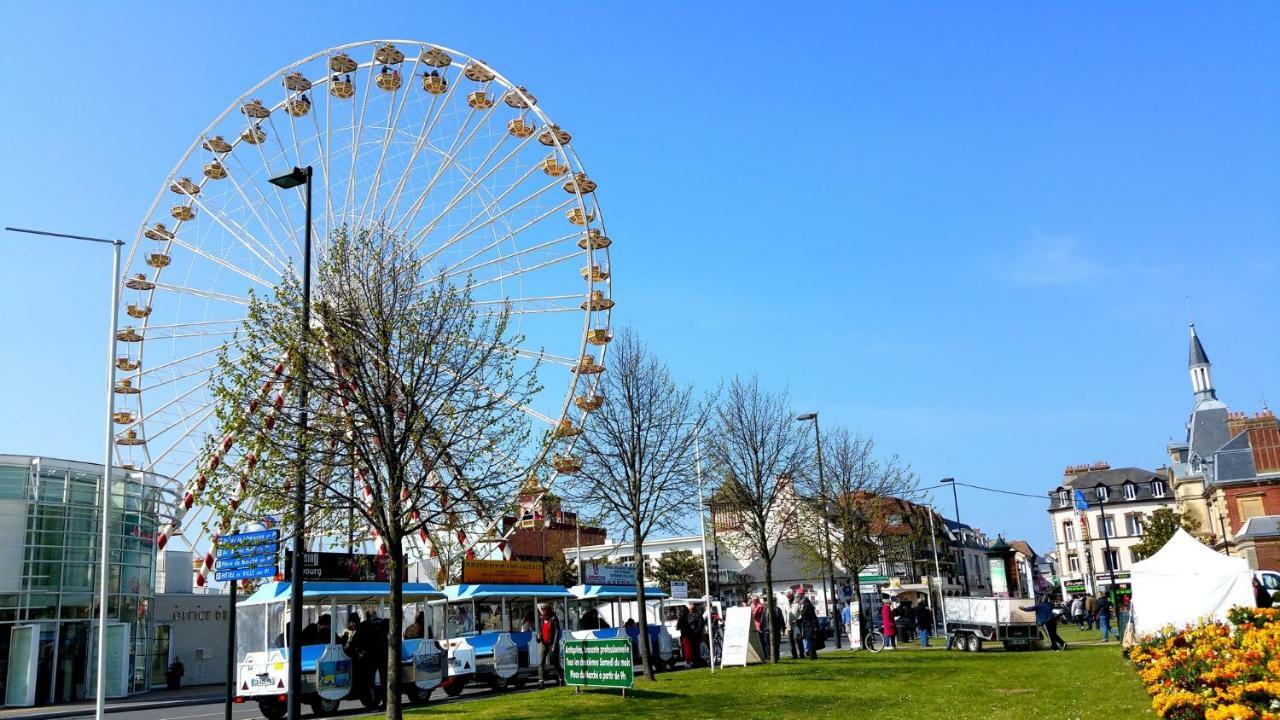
1157, 488
1100, 493
1063, 497
1130, 492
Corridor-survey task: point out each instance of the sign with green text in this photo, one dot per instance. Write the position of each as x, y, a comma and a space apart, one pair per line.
598, 663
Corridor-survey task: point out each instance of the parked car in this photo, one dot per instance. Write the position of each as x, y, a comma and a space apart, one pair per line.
1270, 580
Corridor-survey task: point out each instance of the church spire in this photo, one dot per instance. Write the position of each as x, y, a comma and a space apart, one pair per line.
1201, 369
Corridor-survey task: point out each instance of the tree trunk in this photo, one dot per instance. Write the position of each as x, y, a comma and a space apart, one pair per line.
395, 626
646, 652
769, 605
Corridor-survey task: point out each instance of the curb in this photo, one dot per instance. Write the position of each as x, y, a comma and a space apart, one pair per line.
53, 714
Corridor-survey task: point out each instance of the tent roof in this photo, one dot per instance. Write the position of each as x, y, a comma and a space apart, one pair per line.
1183, 555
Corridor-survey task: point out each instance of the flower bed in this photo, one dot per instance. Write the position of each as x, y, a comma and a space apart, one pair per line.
1213, 671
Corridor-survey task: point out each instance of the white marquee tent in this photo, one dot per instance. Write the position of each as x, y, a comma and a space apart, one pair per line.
1186, 581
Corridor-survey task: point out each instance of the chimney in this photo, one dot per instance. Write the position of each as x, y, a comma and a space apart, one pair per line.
1071, 472
1264, 439
1236, 422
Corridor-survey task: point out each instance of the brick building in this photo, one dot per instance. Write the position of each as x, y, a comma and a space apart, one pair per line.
1227, 472
543, 528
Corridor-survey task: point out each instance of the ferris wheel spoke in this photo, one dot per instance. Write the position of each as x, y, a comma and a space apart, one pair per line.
357, 131
223, 263
528, 269
501, 239
394, 111
176, 443
424, 137
284, 212
453, 270
197, 292
241, 235
253, 208
275, 132
419, 143
177, 378
477, 182
142, 419
505, 398
451, 156
182, 420
148, 370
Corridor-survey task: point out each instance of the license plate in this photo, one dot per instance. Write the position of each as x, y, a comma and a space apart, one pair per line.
262, 682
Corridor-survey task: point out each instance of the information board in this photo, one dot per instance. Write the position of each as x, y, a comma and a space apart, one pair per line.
502, 572
741, 641
598, 663
243, 556
598, 573
344, 567
679, 590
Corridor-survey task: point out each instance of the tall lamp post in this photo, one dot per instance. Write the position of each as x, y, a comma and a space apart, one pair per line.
104, 563
292, 179
826, 524
955, 498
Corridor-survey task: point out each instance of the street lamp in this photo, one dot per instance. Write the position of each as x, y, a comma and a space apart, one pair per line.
964, 566
292, 179
105, 558
826, 524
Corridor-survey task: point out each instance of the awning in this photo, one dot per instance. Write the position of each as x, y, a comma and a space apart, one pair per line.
454, 593
614, 592
345, 591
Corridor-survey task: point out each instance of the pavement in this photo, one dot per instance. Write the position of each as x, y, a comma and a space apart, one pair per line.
154, 700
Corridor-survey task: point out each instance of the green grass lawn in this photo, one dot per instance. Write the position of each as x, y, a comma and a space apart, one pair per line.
1086, 681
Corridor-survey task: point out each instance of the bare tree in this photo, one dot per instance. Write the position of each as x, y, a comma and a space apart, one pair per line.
639, 454
413, 393
859, 497
758, 449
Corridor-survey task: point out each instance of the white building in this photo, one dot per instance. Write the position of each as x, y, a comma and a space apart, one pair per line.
722, 561
1117, 498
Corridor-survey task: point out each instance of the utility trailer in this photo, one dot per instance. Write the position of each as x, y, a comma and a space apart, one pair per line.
971, 621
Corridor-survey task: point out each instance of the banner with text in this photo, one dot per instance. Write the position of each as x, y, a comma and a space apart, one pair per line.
598, 663
598, 573
502, 572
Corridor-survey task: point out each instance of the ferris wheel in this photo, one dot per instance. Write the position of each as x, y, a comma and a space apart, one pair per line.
434, 145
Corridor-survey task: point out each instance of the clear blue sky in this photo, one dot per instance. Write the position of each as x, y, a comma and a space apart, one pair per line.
976, 231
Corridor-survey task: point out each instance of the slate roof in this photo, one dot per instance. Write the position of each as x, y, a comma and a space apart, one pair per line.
1114, 479
1234, 462
1207, 428
1264, 526
1197, 356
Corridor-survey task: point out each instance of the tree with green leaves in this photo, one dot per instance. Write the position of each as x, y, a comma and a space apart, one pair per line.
1158, 527
414, 402
680, 566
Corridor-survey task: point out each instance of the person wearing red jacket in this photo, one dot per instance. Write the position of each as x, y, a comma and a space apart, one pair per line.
890, 629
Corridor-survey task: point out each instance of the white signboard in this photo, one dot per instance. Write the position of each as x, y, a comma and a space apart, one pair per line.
679, 590
597, 573
428, 667
333, 673
741, 641
462, 659
506, 657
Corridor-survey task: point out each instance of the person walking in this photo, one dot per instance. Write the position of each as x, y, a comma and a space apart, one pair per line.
890, 629
792, 620
549, 638
1104, 617
697, 635
1048, 620
808, 627
1090, 611
777, 621
924, 623
1077, 611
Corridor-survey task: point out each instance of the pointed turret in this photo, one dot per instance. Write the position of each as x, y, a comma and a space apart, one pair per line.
1200, 368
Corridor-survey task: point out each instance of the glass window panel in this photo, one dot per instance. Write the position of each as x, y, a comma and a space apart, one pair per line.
13, 482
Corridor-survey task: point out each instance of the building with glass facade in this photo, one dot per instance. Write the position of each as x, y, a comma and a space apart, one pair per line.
49, 532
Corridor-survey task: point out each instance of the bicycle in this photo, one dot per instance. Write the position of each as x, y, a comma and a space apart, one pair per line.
873, 641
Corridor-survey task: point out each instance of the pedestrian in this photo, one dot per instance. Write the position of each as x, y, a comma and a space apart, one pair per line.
792, 618
686, 638
846, 619
1077, 611
924, 623
758, 622
777, 622
1048, 620
1104, 617
697, 634
808, 626
549, 638
890, 630
1261, 597
1090, 611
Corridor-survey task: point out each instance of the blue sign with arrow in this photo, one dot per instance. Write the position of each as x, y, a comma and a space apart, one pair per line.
247, 555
